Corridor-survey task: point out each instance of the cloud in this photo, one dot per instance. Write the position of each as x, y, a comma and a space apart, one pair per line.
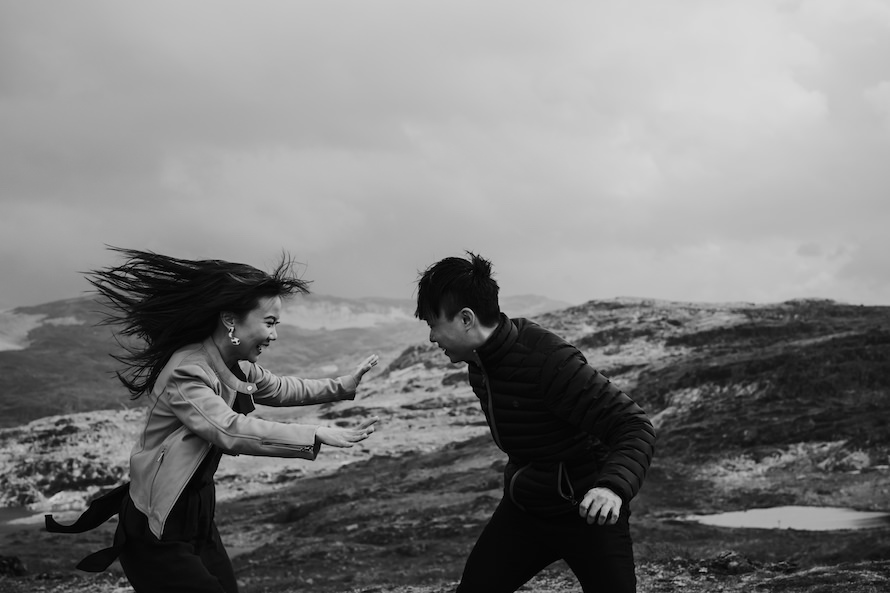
690, 149
878, 98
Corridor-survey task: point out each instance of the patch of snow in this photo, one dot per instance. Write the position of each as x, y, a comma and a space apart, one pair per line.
69, 320
14, 329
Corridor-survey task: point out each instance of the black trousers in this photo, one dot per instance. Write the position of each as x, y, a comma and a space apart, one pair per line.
190, 557
515, 546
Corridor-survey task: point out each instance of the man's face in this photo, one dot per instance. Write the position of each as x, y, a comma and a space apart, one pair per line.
451, 336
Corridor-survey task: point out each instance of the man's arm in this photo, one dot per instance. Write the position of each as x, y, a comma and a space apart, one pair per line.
587, 399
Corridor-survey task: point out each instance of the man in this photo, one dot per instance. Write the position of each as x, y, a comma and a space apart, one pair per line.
578, 448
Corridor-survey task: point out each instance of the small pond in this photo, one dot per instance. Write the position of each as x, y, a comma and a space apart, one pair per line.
797, 517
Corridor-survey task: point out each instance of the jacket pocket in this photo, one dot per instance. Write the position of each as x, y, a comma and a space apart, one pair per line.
552, 487
541, 488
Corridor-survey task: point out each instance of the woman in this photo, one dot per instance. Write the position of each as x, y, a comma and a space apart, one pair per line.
202, 326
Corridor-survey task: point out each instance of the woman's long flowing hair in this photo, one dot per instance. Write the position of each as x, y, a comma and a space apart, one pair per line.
168, 303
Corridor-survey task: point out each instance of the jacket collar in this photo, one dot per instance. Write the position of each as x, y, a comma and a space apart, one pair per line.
499, 342
226, 376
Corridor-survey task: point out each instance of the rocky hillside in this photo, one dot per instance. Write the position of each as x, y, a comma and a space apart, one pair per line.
745, 377
756, 405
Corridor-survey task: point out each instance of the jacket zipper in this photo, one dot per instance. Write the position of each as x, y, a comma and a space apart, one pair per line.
287, 445
158, 462
494, 428
562, 474
183, 486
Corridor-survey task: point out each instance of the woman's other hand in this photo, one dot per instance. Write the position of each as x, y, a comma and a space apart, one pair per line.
337, 436
364, 366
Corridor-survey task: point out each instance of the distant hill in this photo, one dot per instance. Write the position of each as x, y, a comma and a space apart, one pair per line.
327, 312
54, 357
57, 361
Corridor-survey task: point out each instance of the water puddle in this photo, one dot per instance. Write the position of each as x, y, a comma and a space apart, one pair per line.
797, 517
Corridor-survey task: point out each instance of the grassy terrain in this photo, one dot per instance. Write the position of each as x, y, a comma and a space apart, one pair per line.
407, 523
756, 406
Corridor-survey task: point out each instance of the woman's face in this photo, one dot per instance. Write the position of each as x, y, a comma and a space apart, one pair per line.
257, 328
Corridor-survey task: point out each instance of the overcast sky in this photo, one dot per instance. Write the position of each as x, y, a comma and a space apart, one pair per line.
694, 150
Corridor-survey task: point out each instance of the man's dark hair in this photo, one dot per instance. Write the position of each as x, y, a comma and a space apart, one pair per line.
453, 283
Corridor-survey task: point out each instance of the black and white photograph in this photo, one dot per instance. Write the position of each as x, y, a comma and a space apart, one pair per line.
405, 296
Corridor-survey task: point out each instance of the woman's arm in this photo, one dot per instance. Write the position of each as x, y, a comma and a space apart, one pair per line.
191, 398
273, 390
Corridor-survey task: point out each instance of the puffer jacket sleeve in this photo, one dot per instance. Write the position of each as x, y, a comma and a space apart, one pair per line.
192, 399
579, 394
273, 390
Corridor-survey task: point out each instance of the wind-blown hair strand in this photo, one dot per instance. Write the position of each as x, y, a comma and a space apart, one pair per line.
168, 303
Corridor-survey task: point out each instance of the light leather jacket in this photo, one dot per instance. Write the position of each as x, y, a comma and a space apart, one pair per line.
190, 409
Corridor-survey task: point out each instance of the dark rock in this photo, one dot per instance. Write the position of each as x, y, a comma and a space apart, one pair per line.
11, 566
729, 562
455, 378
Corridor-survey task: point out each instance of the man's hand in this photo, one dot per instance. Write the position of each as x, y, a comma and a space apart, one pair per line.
337, 436
600, 505
363, 367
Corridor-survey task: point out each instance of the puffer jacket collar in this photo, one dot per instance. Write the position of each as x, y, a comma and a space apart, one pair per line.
226, 376
499, 342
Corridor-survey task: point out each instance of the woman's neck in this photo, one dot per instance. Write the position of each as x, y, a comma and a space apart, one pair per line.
226, 350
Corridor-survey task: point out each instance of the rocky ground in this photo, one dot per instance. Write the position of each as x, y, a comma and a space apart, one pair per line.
403, 520
400, 513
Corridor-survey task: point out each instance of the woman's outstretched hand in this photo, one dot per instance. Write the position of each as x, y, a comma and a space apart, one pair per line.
364, 366
338, 436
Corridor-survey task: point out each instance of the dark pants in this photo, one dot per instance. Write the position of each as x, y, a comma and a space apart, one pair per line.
189, 557
515, 546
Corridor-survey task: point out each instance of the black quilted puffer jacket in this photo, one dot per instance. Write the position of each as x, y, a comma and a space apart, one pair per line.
565, 427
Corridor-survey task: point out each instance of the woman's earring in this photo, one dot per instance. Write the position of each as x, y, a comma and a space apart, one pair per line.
235, 341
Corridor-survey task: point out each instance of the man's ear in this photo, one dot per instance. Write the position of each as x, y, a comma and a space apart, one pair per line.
467, 318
